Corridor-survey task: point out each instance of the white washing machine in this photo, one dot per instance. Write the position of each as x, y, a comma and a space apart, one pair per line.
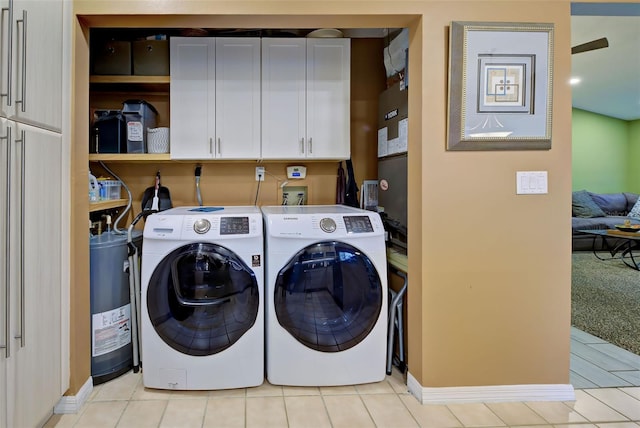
202, 286
326, 295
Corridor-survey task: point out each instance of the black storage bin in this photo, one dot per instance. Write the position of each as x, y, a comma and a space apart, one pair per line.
151, 57
109, 132
111, 57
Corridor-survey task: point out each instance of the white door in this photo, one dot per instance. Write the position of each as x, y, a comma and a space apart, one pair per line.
283, 98
32, 65
328, 98
192, 95
237, 98
35, 323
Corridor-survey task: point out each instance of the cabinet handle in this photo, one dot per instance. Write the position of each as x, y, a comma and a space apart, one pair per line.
23, 152
23, 85
211, 146
9, 50
7, 225
310, 145
302, 145
219, 146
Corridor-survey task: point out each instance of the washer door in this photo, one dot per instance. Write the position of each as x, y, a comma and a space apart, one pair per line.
328, 296
202, 298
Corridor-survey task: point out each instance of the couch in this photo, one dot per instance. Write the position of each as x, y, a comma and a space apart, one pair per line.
600, 211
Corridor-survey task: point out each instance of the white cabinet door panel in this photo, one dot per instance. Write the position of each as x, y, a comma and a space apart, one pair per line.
328, 98
237, 98
283, 98
192, 98
38, 356
35, 58
35, 260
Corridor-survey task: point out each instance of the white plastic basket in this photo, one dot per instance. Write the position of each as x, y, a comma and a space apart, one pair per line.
158, 140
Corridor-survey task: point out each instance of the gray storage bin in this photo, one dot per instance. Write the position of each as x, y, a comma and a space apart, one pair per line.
139, 116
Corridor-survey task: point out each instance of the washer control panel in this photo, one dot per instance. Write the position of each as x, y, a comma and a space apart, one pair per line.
183, 223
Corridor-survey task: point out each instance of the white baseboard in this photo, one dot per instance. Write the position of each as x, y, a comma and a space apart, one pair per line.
488, 394
73, 403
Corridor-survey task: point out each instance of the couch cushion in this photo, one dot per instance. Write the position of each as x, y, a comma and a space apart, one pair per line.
609, 222
632, 198
583, 223
583, 205
611, 203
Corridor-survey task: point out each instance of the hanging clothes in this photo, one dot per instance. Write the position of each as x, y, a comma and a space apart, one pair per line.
341, 185
351, 193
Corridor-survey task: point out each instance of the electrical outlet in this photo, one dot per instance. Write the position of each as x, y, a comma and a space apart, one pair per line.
259, 173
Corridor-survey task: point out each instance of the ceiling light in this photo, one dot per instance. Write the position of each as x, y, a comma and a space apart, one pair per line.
575, 80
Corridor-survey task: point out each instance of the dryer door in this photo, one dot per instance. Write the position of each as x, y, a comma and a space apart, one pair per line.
328, 296
202, 298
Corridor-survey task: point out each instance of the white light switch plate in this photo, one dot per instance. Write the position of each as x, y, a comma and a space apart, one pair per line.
531, 182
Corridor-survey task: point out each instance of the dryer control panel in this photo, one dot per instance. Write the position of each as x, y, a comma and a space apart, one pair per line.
324, 225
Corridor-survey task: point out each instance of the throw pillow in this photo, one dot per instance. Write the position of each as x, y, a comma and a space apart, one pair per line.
611, 203
635, 211
583, 205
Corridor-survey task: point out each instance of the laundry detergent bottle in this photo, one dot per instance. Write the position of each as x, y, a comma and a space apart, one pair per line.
94, 188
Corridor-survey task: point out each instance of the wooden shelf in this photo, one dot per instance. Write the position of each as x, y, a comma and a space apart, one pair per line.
130, 79
105, 205
131, 84
129, 157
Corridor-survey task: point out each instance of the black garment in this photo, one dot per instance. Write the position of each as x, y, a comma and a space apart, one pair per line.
351, 194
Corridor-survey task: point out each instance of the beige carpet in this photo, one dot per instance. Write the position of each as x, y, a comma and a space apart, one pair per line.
605, 300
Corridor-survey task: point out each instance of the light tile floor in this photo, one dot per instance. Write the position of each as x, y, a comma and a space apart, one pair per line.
614, 402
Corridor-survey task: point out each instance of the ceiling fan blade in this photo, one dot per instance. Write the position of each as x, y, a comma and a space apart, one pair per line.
590, 46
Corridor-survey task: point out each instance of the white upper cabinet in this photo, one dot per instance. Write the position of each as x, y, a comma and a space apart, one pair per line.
215, 98
31, 62
306, 98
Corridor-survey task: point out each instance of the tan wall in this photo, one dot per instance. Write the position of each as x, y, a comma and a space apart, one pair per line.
489, 291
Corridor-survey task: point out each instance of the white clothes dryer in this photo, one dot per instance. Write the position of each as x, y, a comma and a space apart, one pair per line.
326, 295
202, 283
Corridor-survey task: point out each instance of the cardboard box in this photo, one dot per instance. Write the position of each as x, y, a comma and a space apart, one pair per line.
111, 58
151, 57
393, 120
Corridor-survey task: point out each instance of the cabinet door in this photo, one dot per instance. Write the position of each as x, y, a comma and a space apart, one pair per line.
192, 95
6, 345
328, 98
237, 98
283, 98
36, 272
35, 61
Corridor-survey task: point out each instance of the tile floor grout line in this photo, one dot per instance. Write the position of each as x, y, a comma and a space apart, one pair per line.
607, 405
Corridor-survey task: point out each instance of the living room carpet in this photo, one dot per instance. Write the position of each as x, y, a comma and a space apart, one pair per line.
605, 300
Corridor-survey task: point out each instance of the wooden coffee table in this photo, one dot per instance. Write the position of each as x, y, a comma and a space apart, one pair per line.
618, 244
